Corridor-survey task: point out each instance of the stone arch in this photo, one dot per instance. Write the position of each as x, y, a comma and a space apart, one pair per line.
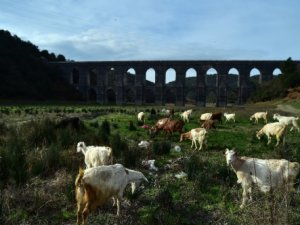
74, 76
191, 77
129, 77
211, 77
232, 86
255, 75
191, 96
150, 75
110, 77
150, 94
92, 78
92, 95
110, 96
129, 95
277, 72
170, 76
211, 97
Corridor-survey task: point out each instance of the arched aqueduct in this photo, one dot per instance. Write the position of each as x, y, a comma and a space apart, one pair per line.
123, 82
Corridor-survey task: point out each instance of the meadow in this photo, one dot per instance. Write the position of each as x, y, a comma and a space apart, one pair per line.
39, 163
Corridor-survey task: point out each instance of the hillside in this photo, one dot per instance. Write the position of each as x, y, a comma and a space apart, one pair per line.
25, 74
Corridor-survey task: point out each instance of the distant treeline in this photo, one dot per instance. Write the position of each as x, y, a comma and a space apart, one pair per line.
25, 75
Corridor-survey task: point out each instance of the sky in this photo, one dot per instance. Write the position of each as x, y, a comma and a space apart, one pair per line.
102, 30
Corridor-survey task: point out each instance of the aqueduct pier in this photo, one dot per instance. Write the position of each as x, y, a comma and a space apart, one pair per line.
107, 81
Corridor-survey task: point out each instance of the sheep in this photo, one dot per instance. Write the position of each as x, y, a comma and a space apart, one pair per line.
205, 116
141, 117
95, 155
96, 185
208, 124
267, 174
272, 129
185, 116
196, 134
287, 120
259, 115
229, 116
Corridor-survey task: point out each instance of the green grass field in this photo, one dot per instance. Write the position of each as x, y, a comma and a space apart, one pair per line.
39, 164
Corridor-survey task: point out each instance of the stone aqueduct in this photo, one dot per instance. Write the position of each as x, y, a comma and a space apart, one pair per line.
103, 79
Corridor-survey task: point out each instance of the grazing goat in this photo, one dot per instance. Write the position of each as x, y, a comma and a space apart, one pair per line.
158, 125
287, 120
168, 112
208, 124
173, 126
272, 129
95, 186
259, 115
217, 116
95, 155
267, 174
205, 116
185, 116
197, 134
141, 117
229, 116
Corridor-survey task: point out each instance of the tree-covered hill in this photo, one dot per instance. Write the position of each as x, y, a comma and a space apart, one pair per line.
25, 75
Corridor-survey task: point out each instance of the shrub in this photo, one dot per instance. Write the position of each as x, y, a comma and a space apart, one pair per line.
15, 154
131, 126
105, 127
118, 145
164, 199
131, 157
161, 147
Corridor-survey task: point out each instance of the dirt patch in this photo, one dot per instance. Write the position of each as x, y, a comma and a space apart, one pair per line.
288, 108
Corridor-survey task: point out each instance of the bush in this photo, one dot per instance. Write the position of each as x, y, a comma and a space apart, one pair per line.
118, 145
161, 147
131, 126
131, 157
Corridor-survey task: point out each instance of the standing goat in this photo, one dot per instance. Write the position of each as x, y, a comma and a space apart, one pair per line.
267, 174
287, 120
196, 135
229, 116
95, 186
141, 117
259, 115
95, 155
272, 129
185, 116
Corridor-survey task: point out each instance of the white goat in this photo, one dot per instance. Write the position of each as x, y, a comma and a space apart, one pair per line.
141, 116
272, 129
229, 116
196, 135
95, 186
95, 155
205, 116
287, 120
259, 115
186, 115
267, 174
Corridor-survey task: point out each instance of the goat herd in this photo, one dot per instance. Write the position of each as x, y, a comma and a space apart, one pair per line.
101, 181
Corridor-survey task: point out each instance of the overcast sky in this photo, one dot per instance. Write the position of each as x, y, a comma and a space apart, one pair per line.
91, 30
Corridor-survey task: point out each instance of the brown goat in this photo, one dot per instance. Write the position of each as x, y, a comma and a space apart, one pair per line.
173, 126
217, 116
208, 124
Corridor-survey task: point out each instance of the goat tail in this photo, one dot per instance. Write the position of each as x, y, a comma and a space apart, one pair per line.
79, 177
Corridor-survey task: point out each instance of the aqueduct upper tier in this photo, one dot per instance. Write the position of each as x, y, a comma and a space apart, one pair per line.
125, 82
